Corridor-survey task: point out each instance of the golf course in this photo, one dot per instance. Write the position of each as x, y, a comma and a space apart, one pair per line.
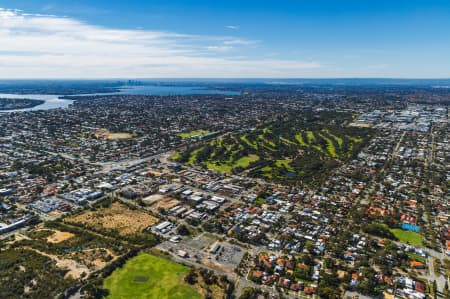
285, 151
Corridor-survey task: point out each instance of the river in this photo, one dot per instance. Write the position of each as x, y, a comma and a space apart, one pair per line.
54, 101
51, 101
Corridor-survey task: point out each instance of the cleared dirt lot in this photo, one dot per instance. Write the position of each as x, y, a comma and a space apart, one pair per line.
74, 268
116, 217
157, 201
59, 236
117, 136
95, 258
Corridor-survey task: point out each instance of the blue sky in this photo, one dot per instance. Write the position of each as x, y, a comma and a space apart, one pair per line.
148, 39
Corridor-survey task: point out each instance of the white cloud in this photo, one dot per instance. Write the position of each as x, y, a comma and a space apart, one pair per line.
46, 46
220, 48
232, 27
238, 41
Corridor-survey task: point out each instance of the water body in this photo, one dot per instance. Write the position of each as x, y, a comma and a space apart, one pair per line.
51, 101
54, 101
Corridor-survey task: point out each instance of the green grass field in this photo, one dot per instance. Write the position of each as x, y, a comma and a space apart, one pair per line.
244, 138
219, 167
227, 167
175, 156
148, 276
355, 139
284, 163
259, 201
409, 237
196, 133
300, 140
245, 161
193, 156
330, 146
287, 141
310, 136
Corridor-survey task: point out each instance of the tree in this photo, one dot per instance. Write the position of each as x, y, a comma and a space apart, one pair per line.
191, 277
446, 290
434, 291
183, 230
329, 293
250, 293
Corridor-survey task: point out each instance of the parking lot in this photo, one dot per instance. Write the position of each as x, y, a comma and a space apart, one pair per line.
205, 250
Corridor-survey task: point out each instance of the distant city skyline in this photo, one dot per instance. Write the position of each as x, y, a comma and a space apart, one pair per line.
224, 39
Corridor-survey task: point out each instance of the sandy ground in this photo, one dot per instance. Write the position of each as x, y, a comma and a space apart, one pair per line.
105, 134
95, 257
59, 236
118, 217
388, 296
214, 265
75, 269
152, 199
93, 260
340, 274
158, 201
20, 237
116, 136
361, 124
